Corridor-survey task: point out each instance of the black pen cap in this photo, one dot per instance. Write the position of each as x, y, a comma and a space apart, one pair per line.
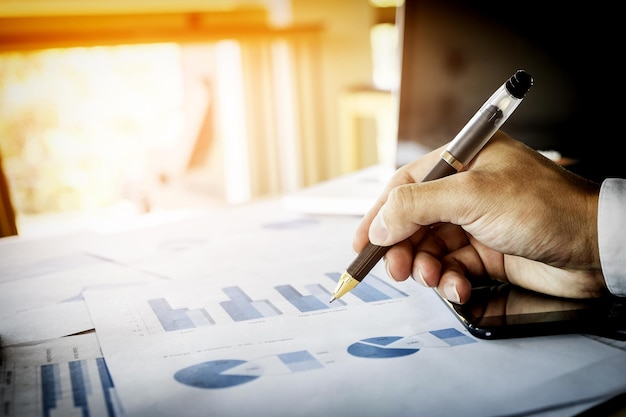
519, 84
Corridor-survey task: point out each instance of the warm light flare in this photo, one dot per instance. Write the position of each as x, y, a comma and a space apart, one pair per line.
76, 124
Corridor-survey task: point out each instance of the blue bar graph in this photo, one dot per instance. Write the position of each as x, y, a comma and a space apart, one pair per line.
65, 396
317, 300
372, 288
299, 361
107, 386
180, 318
452, 337
241, 307
50, 387
80, 385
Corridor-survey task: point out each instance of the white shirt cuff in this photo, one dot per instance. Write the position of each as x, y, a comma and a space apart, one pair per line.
612, 234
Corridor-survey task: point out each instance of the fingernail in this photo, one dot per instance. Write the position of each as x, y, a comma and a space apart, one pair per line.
378, 230
449, 291
419, 278
387, 268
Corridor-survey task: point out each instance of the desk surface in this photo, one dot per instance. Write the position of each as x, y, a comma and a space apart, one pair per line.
227, 310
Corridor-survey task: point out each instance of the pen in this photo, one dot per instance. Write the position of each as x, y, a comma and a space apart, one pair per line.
459, 152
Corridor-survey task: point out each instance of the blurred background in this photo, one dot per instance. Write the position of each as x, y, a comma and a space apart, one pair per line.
111, 108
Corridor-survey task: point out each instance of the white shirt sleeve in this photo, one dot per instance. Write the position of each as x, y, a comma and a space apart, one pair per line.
612, 234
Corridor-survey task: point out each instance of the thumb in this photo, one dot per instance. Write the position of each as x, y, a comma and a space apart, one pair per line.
412, 206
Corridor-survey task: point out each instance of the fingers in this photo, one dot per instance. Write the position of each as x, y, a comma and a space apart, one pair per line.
503, 203
438, 257
458, 269
451, 275
399, 261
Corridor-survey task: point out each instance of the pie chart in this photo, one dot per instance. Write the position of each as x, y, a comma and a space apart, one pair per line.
378, 347
223, 373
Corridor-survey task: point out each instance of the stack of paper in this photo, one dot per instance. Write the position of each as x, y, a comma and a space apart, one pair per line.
226, 313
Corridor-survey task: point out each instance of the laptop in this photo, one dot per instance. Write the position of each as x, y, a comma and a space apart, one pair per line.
453, 56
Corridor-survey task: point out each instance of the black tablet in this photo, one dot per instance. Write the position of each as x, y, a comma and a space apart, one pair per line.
502, 310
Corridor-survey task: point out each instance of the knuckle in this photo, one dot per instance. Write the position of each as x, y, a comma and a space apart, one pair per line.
400, 202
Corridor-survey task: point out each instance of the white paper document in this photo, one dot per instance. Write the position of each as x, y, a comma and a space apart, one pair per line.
23, 258
351, 194
48, 302
227, 313
253, 334
223, 241
279, 351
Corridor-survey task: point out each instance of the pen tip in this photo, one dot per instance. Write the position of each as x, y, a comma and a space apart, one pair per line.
331, 300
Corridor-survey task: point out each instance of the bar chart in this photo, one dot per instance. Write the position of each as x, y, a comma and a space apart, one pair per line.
372, 288
317, 300
241, 306
180, 318
66, 376
82, 385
